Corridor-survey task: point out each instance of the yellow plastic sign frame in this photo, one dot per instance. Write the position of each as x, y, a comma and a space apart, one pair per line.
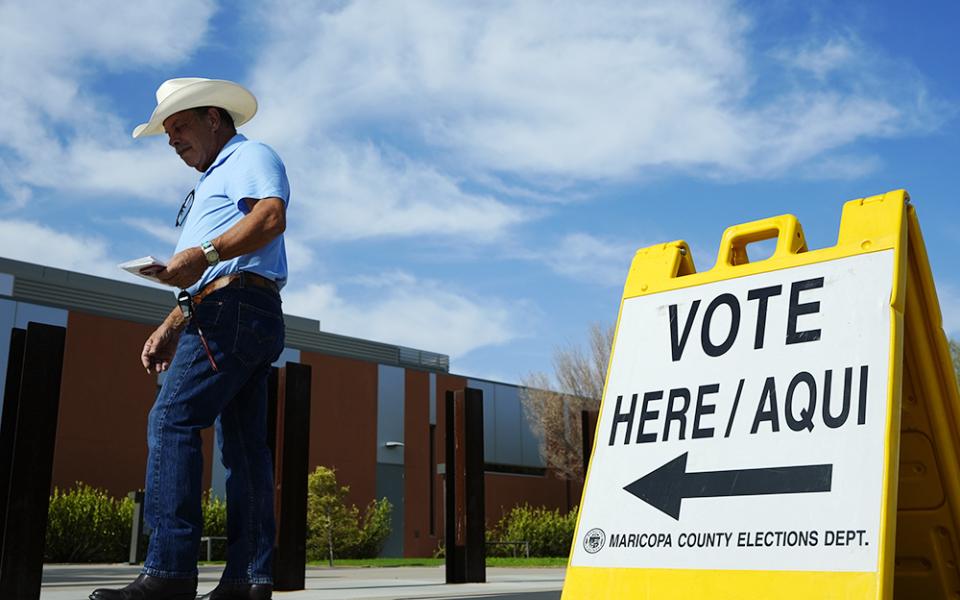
925, 471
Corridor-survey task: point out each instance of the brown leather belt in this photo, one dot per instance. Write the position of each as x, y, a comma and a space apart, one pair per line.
242, 279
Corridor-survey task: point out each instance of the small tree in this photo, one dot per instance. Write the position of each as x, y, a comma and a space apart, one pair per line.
334, 527
552, 405
214, 512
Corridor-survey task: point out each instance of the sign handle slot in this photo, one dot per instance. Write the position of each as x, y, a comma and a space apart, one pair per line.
785, 229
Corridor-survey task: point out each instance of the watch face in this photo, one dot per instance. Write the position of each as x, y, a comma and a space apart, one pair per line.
213, 257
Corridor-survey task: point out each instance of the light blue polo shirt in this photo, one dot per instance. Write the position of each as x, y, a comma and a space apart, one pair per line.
243, 169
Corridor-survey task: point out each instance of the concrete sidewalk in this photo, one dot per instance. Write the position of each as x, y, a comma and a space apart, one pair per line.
75, 582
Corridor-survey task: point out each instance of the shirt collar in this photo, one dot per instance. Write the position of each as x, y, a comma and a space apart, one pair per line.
225, 152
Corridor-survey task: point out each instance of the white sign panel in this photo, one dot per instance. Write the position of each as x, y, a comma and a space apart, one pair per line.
744, 423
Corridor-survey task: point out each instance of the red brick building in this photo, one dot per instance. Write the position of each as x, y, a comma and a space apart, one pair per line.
375, 407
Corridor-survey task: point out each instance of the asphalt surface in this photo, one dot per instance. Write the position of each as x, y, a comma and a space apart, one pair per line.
75, 582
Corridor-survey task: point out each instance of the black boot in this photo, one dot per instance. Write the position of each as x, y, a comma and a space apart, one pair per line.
241, 591
146, 587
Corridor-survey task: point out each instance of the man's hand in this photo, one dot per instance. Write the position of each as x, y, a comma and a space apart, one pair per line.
159, 349
185, 268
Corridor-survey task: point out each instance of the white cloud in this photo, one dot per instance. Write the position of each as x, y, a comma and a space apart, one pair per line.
113, 32
589, 258
31, 242
300, 257
57, 132
514, 86
165, 232
822, 59
560, 90
350, 192
801, 126
383, 280
148, 170
411, 312
446, 119
840, 166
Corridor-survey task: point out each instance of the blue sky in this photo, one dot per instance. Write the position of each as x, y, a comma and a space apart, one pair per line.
473, 178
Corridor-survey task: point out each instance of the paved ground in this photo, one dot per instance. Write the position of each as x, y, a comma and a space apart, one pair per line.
75, 582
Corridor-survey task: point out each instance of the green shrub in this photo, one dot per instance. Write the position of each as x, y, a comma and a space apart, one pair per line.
214, 515
87, 525
331, 521
549, 532
214, 525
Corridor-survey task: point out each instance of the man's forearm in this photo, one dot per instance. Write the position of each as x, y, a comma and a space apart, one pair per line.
265, 221
175, 320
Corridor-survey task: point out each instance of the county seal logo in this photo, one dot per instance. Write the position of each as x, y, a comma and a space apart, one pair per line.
594, 540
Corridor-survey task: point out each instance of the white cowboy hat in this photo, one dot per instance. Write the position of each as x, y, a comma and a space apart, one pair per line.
182, 93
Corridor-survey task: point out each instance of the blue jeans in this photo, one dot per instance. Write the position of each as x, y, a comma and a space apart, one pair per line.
244, 330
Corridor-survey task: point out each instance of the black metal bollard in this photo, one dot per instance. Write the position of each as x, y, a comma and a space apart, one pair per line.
37, 403
464, 475
476, 518
456, 569
136, 527
8, 421
290, 556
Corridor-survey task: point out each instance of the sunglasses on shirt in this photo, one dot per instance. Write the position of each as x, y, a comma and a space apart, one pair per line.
184, 209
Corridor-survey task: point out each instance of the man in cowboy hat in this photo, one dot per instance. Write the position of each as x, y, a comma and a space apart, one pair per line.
216, 346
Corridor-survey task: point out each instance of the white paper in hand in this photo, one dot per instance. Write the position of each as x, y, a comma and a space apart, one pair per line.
146, 267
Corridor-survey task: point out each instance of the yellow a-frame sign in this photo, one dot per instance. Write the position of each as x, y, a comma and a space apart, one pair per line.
786, 428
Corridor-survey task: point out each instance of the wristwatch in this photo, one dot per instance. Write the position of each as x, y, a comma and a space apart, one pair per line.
213, 257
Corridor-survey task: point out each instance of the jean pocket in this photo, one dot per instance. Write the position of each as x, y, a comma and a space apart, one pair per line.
207, 314
258, 334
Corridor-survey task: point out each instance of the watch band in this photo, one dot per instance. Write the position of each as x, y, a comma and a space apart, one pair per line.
213, 257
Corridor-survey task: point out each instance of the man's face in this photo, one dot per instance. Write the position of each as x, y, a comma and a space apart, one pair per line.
194, 137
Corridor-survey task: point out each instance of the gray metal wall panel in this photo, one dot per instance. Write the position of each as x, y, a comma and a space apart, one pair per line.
328, 343
509, 419
508, 438
423, 359
390, 399
288, 355
6, 284
218, 472
490, 433
530, 445
8, 312
19, 314
96, 302
31, 313
390, 486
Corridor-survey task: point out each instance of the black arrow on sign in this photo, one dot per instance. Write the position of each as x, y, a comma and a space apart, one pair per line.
666, 487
